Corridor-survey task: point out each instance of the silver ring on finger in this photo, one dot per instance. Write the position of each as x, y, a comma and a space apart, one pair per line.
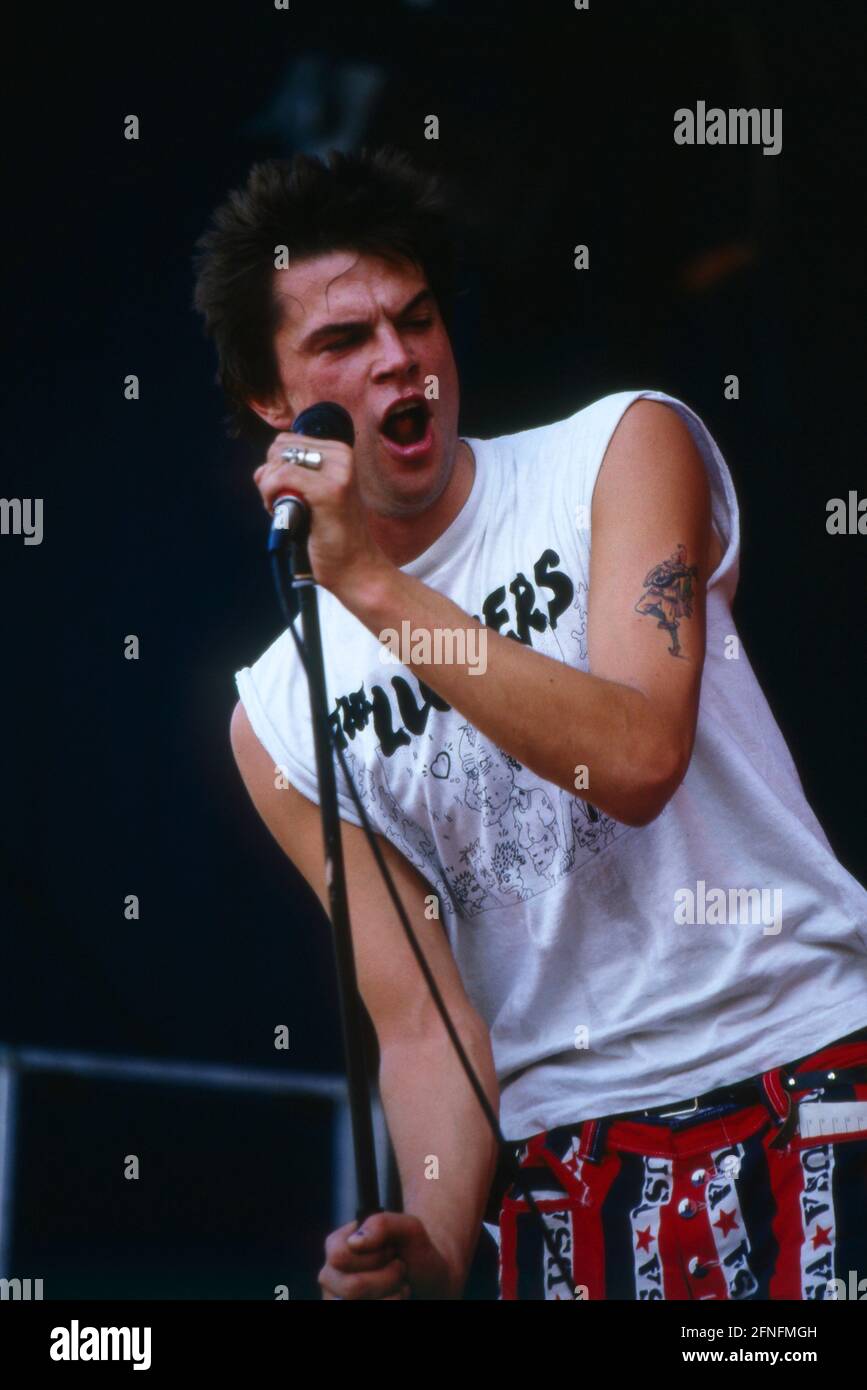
305, 458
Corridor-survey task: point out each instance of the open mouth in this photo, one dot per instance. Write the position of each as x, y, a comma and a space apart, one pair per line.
407, 423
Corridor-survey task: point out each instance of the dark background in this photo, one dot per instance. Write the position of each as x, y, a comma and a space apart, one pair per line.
555, 128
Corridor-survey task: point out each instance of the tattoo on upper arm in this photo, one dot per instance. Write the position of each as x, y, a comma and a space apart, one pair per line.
669, 594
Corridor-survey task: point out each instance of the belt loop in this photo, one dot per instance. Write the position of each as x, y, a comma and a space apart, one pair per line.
592, 1139
781, 1104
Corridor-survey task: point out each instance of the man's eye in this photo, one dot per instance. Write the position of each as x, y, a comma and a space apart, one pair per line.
344, 340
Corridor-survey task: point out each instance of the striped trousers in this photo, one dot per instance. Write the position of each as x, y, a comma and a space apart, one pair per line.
765, 1200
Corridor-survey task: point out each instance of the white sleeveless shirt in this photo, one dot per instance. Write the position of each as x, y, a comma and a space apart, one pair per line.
616, 967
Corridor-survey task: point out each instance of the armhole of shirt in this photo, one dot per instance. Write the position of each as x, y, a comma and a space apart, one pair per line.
261, 714
724, 505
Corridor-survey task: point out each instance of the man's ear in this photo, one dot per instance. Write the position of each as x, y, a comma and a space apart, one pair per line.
278, 412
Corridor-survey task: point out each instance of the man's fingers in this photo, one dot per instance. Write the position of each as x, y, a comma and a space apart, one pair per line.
330, 449
375, 1250
349, 1260
375, 1284
334, 454
275, 475
378, 1227
336, 1240
385, 1226
363, 1262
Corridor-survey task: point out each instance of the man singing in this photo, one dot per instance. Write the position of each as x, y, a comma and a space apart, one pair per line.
601, 811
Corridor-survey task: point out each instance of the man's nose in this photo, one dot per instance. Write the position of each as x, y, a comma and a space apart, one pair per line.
394, 355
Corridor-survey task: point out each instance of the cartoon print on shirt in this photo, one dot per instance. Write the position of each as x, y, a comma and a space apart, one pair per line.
359, 775
493, 791
537, 819
470, 895
579, 631
500, 879
546, 839
529, 834
490, 776
415, 841
441, 765
591, 828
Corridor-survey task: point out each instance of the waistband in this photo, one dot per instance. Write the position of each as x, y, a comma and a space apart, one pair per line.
692, 1124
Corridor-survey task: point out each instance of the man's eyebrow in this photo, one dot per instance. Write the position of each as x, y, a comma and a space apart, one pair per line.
325, 330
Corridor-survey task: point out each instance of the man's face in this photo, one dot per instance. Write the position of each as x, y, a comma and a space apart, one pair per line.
367, 334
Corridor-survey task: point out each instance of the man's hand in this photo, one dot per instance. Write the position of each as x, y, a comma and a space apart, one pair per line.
390, 1257
341, 547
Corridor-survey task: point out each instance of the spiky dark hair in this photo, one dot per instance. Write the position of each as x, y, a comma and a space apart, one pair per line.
375, 202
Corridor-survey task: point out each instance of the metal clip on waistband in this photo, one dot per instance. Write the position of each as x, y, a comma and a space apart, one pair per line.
741, 1093
592, 1140
781, 1104
779, 1084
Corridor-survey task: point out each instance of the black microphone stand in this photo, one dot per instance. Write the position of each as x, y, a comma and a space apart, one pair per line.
295, 581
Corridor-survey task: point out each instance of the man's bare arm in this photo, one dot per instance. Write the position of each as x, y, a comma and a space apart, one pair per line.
649, 567
430, 1108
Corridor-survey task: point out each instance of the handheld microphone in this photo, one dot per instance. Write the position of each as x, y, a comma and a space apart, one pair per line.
325, 420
